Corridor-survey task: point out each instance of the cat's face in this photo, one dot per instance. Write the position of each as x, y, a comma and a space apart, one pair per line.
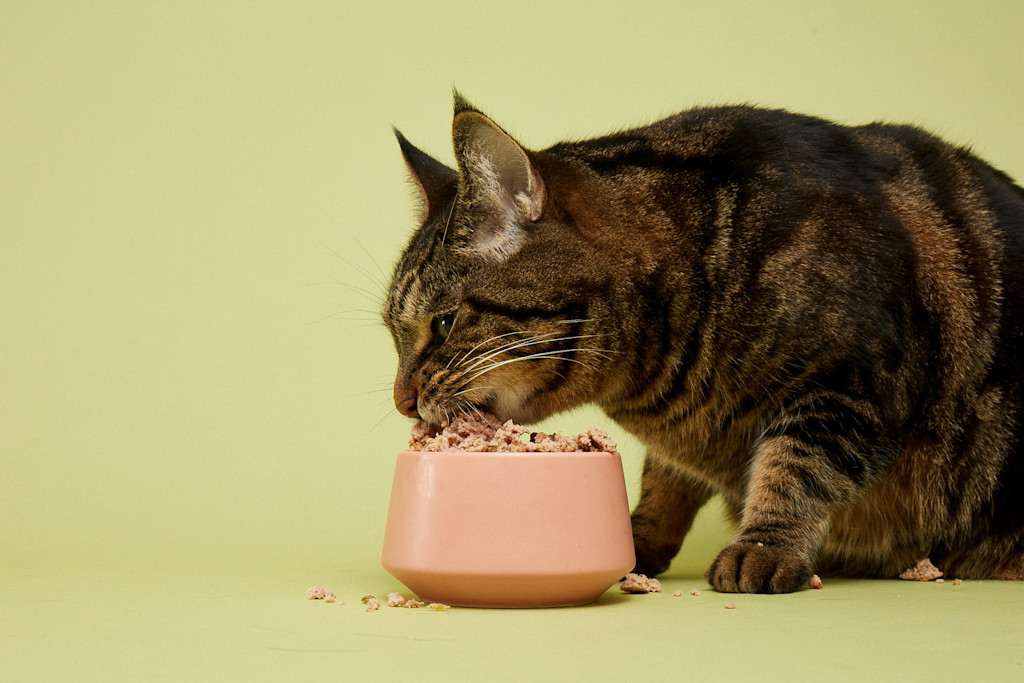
489, 306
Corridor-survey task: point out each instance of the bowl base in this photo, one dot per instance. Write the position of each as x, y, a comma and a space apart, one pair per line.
505, 591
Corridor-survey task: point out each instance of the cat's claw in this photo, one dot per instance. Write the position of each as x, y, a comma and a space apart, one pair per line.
750, 567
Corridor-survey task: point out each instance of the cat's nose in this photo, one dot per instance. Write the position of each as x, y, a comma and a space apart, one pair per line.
407, 407
405, 398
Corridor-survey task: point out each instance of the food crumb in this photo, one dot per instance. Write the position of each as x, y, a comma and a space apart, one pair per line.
640, 583
396, 599
411, 604
816, 583
730, 605
940, 581
317, 593
677, 593
957, 582
372, 603
439, 607
924, 570
331, 597
695, 592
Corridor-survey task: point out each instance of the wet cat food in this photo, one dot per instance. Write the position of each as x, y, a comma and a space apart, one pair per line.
485, 433
640, 583
924, 570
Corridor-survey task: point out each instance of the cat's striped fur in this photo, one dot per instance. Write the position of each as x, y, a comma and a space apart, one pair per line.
824, 324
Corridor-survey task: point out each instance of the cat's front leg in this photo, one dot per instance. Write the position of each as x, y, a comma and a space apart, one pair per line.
668, 505
808, 465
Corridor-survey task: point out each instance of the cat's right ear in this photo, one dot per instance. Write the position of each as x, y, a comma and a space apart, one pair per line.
436, 181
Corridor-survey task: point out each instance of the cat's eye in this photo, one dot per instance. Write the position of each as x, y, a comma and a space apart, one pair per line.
443, 325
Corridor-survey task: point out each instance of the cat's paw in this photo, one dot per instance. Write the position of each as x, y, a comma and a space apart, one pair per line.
750, 567
653, 555
651, 564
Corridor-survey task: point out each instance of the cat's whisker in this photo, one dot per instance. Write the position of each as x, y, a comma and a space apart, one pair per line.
540, 338
478, 412
557, 354
575, 321
485, 341
469, 389
468, 365
373, 297
504, 348
382, 281
603, 353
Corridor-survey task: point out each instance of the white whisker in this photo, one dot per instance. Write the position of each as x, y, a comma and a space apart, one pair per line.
557, 353
485, 341
510, 346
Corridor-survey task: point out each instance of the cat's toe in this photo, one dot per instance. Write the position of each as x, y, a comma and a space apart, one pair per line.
750, 567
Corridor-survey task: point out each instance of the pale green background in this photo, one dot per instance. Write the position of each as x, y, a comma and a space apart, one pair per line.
199, 203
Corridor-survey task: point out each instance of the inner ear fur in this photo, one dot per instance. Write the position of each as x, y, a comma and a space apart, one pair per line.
497, 169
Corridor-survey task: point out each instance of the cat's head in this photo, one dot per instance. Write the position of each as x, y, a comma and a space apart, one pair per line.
492, 307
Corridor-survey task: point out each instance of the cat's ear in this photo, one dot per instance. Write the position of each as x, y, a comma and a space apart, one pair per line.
436, 181
497, 170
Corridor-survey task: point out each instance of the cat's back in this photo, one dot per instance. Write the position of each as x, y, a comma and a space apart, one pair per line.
740, 142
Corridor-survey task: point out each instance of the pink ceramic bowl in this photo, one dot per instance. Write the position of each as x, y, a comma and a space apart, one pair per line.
508, 529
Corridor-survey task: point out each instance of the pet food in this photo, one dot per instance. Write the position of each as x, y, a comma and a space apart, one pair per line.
924, 570
485, 433
639, 583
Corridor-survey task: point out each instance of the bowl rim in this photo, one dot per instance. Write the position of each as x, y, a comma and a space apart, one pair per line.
506, 454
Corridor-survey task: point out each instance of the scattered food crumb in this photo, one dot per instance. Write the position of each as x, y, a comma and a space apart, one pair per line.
331, 597
639, 583
923, 571
957, 582
372, 603
439, 607
940, 581
816, 583
760, 544
410, 603
396, 599
695, 592
677, 593
730, 605
317, 593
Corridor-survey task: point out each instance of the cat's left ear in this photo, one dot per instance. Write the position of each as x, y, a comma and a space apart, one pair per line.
498, 170
435, 180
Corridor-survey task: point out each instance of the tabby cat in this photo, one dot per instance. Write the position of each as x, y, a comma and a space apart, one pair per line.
823, 324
